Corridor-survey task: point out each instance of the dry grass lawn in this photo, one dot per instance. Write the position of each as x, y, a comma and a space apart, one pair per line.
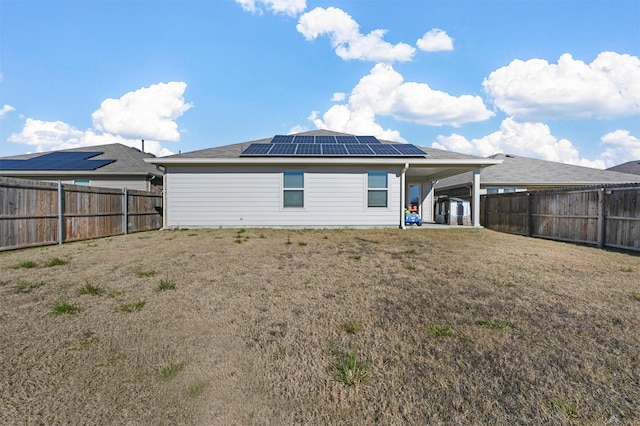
323, 327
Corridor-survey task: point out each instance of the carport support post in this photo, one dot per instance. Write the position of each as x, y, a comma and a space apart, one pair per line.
476, 198
403, 189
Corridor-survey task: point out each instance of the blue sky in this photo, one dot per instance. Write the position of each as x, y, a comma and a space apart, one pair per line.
556, 80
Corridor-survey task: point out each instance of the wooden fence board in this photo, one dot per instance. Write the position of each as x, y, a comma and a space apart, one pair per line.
29, 212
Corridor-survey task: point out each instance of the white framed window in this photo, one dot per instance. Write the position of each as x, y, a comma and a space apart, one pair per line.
293, 189
82, 182
377, 189
492, 190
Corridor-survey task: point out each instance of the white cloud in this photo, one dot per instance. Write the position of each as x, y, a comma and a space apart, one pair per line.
435, 40
384, 92
288, 7
338, 97
147, 113
608, 87
621, 147
346, 38
524, 139
56, 135
6, 109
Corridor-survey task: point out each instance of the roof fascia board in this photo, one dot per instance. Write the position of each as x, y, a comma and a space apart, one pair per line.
463, 163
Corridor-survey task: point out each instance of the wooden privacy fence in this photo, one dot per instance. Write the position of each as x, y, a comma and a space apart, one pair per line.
607, 216
35, 213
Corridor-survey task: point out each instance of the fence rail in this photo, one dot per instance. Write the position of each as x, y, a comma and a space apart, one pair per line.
607, 216
35, 213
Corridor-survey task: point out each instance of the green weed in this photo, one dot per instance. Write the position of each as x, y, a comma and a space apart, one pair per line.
25, 286
355, 257
63, 307
567, 409
302, 244
27, 264
494, 324
503, 283
627, 269
196, 389
166, 285
114, 293
352, 327
171, 370
56, 261
349, 371
133, 307
439, 330
89, 288
635, 295
149, 273
84, 343
410, 267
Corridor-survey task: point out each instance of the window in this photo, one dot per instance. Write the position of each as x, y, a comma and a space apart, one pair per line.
377, 192
82, 182
492, 190
509, 190
293, 189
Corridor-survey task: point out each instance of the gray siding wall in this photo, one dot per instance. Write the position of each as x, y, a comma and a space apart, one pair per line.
225, 196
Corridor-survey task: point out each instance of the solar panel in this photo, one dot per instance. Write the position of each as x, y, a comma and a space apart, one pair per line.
367, 139
325, 139
309, 149
283, 149
57, 161
282, 139
257, 149
346, 139
334, 149
359, 149
305, 139
408, 149
383, 149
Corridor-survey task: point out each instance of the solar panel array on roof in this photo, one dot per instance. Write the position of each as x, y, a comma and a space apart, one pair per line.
57, 161
323, 139
336, 149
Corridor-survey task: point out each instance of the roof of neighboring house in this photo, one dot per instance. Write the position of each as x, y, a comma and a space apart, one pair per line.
523, 171
632, 167
111, 159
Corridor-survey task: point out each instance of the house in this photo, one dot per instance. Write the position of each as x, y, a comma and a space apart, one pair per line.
310, 179
632, 167
108, 166
516, 174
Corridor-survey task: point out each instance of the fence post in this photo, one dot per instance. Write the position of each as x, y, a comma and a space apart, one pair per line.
60, 213
125, 216
601, 218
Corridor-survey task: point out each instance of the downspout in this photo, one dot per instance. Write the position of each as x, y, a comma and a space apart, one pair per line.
402, 195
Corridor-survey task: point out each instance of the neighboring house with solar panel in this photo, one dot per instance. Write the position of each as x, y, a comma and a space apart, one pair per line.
311, 179
516, 174
107, 166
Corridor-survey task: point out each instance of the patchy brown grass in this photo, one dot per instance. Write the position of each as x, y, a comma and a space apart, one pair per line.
461, 326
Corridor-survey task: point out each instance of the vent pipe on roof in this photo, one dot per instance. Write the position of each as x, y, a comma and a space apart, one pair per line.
143, 146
